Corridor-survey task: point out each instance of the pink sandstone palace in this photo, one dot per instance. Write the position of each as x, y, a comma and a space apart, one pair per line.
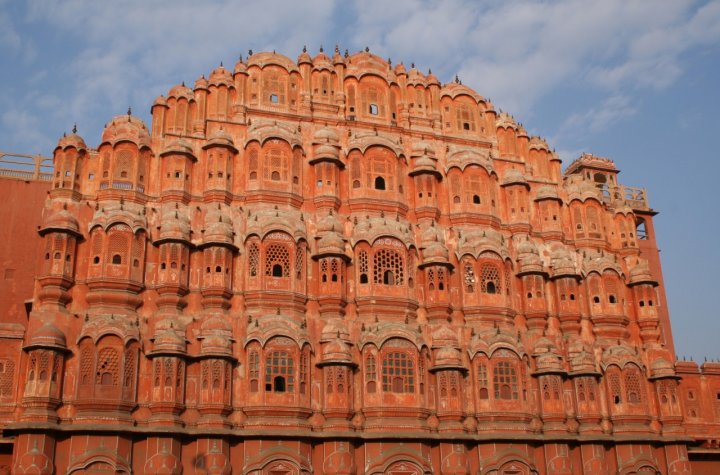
337, 265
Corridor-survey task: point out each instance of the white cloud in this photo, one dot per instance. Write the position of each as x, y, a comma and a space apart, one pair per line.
514, 52
596, 119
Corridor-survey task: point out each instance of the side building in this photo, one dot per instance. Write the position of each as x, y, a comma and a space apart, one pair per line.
333, 265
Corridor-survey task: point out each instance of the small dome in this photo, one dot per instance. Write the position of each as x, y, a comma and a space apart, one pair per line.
219, 76
331, 244
662, 368
640, 274
546, 192
327, 151
218, 228
329, 222
321, 61
48, 336
168, 340
175, 225
448, 357
178, 147
160, 101
336, 351
216, 337
126, 128
240, 67
422, 148
201, 83
424, 163
60, 220
304, 57
181, 90
326, 134
220, 138
514, 177
71, 140
444, 336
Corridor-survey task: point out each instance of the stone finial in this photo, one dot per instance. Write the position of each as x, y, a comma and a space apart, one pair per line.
367, 49
74, 129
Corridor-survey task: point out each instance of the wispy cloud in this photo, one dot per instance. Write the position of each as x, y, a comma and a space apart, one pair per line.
127, 52
614, 109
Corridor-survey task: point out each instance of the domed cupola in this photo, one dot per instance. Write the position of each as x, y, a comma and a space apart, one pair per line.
218, 228
47, 336
167, 339
433, 247
126, 128
547, 358
216, 337
175, 225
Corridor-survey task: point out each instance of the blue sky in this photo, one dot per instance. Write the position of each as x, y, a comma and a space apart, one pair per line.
636, 81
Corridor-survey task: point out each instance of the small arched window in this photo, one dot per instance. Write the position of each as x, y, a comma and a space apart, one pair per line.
379, 183
116, 259
476, 199
373, 109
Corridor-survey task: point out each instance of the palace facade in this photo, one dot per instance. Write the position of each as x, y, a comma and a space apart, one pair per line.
339, 266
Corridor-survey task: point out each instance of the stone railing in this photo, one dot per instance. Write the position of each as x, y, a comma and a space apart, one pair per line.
635, 197
25, 167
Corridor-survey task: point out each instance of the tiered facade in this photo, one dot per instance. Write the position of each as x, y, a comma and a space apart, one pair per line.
339, 266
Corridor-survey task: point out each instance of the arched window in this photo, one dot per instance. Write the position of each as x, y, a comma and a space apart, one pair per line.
613, 379
388, 267
363, 266
490, 279
482, 375
633, 384
379, 183
398, 372
277, 261
279, 372
370, 374
505, 380
253, 370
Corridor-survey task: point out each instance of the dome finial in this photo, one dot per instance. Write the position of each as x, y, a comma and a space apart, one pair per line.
250, 53
337, 49
347, 53
321, 48
304, 48
221, 64
367, 49
74, 129
129, 110
457, 79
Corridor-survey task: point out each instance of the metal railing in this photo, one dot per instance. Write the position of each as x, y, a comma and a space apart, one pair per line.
25, 167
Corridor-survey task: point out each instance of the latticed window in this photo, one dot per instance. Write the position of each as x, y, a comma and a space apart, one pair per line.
431, 279
276, 165
370, 373
490, 279
363, 267
633, 386
465, 119
340, 379
123, 164
253, 259
277, 261
279, 372
108, 367
505, 380
380, 173
482, 376
303, 371
613, 379
443, 383
388, 267
299, 262
86, 361
555, 387
130, 368
253, 164
577, 216
398, 372
274, 88
611, 287
329, 379
118, 244
593, 222
469, 277
254, 370
7, 376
